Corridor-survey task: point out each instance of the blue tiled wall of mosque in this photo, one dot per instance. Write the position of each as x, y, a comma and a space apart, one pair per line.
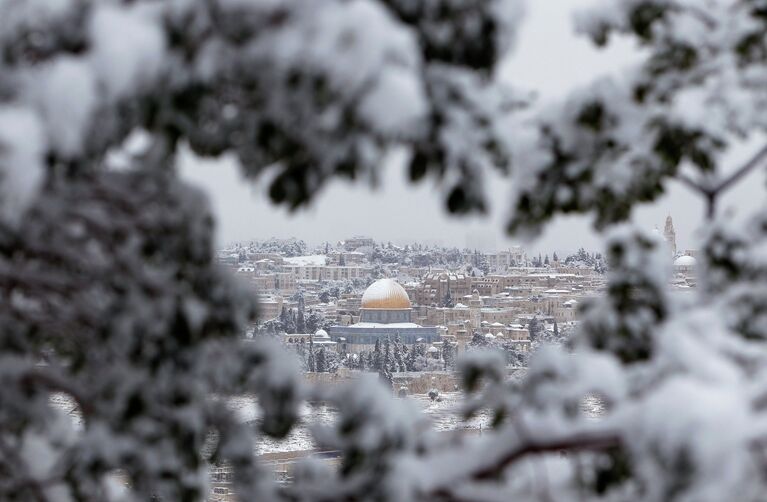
362, 336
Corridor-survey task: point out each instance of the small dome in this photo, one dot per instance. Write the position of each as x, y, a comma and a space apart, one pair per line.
385, 294
321, 333
685, 261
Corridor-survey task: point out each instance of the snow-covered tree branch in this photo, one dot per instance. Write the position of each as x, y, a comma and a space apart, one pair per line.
109, 294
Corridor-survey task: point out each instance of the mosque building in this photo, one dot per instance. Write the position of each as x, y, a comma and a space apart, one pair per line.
385, 310
684, 262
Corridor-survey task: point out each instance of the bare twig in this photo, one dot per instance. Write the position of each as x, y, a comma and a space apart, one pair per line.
712, 193
691, 183
578, 442
755, 161
570, 444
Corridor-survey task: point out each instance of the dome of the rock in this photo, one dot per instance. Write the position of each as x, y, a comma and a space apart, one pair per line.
685, 261
385, 294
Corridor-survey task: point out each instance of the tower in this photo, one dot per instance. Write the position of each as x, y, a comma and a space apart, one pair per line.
475, 310
670, 235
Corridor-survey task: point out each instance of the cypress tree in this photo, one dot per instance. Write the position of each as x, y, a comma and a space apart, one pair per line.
377, 360
311, 363
384, 372
322, 366
447, 355
300, 322
412, 354
398, 357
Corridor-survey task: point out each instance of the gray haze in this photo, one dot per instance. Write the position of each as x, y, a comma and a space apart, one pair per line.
550, 60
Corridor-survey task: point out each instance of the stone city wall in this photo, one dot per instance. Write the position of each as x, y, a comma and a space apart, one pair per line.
415, 382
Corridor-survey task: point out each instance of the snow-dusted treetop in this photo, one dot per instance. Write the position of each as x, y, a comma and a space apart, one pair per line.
699, 88
310, 90
108, 291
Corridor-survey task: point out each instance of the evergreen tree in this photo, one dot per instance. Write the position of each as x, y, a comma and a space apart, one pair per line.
388, 351
311, 363
556, 330
284, 319
534, 328
332, 361
555, 257
483, 265
314, 321
301, 302
290, 325
399, 359
341, 260
377, 357
447, 300
448, 358
384, 371
478, 340
322, 366
411, 357
300, 322
546, 260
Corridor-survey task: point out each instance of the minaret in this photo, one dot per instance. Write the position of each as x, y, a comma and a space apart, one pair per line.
475, 310
670, 235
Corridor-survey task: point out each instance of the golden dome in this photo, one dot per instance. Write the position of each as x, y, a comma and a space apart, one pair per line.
385, 294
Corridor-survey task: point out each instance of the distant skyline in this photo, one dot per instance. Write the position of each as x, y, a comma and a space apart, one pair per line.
549, 60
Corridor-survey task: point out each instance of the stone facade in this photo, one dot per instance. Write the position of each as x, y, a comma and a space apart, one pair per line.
435, 286
385, 316
358, 339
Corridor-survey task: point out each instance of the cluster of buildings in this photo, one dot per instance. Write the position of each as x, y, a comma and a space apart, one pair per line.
417, 304
363, 300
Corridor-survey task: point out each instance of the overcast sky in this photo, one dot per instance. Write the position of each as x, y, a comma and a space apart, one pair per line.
550, 60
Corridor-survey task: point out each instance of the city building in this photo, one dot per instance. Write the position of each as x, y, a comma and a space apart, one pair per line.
269, 306
357, 242
435, 286
504, 260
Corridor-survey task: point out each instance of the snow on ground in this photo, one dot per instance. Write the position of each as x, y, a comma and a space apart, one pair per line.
444, 415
